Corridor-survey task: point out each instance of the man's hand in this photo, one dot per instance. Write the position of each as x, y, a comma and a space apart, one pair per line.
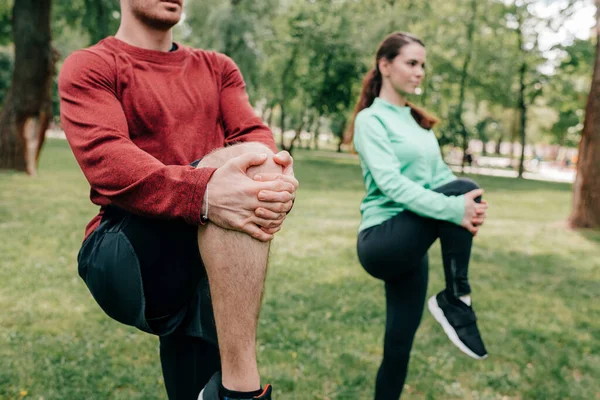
284, 199
233, 198
286, 161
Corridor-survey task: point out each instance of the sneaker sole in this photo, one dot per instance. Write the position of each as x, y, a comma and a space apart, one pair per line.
201, 396
439, 316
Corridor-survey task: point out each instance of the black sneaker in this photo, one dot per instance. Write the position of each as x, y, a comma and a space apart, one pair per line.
211, 391
459, 323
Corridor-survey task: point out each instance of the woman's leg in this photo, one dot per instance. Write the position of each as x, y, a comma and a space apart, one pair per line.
396, 252
456, 243
405, 299
452, 306
397, 246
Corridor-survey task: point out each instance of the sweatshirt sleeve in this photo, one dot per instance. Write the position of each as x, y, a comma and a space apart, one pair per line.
442, 173
96, 128
239, 119
375, 150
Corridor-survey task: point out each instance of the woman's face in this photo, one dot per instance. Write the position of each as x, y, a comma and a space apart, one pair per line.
405, 72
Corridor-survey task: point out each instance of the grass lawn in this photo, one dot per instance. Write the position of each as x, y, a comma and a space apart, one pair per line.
536, 290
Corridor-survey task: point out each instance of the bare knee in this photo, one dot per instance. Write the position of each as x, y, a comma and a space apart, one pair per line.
219, 157
268, 167
255, 147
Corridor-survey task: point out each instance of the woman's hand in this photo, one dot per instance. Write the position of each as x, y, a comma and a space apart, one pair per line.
480, 218
475, 213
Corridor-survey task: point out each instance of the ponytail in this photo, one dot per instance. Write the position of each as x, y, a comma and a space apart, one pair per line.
370, 90
423, 118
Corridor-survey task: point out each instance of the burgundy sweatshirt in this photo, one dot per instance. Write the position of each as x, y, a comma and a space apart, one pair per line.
136, 118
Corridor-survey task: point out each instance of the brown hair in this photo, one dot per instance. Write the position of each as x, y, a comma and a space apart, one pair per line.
389, 48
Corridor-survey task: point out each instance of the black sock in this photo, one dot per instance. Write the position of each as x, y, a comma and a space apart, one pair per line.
239, 395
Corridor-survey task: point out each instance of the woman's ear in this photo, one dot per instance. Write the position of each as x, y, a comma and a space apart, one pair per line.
384, 67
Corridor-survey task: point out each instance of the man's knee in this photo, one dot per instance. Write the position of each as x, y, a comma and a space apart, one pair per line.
220, 156
249, 147
269, 166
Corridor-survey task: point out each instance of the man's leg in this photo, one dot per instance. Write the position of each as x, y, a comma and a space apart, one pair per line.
236, 265
188, 363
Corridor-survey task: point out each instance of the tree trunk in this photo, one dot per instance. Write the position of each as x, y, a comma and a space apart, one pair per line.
285, 75
27, 108
267, 116
523, 115
297, 134
521, 105
586, 191
315, 129
282, 124
498, 144
341, 135
311, 117
514, 133
463, 81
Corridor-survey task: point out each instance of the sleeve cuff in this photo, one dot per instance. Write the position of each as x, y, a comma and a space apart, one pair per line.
194, 210
458, 209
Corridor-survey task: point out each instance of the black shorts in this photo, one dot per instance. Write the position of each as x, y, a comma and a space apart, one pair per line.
148, 273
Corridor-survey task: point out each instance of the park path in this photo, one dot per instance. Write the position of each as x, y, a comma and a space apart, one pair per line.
544, 172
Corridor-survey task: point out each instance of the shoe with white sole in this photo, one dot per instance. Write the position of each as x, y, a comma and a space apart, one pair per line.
459, 323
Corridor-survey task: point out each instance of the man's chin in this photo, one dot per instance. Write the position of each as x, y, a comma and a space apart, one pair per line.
163, 23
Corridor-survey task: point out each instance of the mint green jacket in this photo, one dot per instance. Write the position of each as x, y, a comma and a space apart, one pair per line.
401, 164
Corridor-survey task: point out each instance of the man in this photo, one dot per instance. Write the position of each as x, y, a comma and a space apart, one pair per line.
139, 111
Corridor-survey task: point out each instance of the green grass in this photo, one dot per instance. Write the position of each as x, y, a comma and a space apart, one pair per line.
536, 289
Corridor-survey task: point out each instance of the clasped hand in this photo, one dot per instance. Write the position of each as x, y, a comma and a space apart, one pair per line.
253, 193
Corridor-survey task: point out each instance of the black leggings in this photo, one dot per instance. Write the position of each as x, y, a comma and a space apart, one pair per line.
187, 364
396, 252
166, 255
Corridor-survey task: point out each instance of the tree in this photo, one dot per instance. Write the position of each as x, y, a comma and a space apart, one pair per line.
463, 81
492, 73
334, 75
286, 68
586, 192
6, 68
530, 79
569, 90
27, 108
236, 28
5, 17
6, 57
95, 19
98, 19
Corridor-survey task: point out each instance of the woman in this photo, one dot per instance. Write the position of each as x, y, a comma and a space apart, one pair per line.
412, 199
